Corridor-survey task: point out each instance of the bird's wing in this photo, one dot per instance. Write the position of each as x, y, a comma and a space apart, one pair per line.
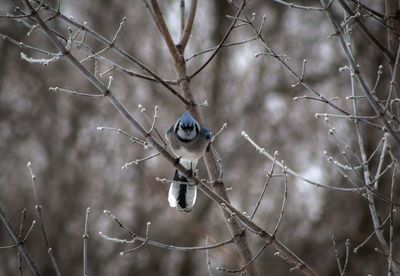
169, 132
205, 132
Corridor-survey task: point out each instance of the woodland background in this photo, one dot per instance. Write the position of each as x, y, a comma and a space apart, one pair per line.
78, 166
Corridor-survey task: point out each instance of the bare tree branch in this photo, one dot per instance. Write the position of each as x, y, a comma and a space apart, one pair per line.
291, 172
85, 243
146, 240
350, 58
366, 31
18, 243
221, 43
38, 208
188, 26
162, 27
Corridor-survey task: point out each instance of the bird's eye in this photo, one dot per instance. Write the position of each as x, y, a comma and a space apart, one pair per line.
186, 127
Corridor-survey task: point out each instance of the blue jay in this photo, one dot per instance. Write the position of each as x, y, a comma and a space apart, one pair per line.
188, 141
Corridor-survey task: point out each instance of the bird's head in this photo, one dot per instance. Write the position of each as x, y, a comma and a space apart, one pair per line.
187, 128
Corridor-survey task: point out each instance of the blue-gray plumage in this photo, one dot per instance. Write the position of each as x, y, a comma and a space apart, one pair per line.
188, 141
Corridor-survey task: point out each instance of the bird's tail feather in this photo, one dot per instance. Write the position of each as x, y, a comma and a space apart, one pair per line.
182, 196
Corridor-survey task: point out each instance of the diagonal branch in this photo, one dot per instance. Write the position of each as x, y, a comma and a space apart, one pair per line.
162, 27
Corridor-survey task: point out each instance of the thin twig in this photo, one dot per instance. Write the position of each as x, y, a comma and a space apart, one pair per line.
381, 160
17, 242
219, 132
85, 243
337, 256
290, 171
21, 229
291, 5
222, 41
26, 46
135, 238
223, 46
243, 268
285, 194
30, 229
391, 223
188, 26
38, 208
346, 261
266, 183
303, 70
137, 161
151, 121
208, 260
43, 61
74, 93
121, 24
155, 116
144, 242
124, 133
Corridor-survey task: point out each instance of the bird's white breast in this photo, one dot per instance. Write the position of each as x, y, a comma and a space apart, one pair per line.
186, 154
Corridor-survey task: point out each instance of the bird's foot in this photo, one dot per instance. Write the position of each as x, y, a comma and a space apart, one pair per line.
177, 161
190, 173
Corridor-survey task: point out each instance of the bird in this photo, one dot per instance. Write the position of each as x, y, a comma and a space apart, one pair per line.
188, 142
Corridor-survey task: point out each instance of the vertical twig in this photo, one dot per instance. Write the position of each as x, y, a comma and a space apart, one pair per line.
393, 24
182, 10
21, 229
346, 262
391, 222
208, 260
364, 162
85, 243
337, 256
38, 208
342, 269
188, 26
393, 30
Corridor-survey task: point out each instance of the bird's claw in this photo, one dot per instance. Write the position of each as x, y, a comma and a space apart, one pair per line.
190, 172
177, 161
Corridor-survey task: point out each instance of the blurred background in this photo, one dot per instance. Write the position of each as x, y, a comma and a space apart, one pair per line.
78, 166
